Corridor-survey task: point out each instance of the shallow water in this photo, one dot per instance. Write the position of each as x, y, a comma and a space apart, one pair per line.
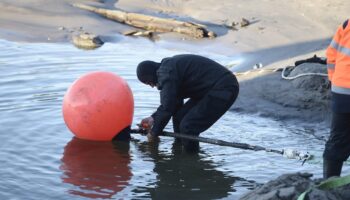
40, 158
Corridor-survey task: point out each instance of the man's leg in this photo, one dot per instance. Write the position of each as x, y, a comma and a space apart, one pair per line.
181, 112
337, 148
205, 113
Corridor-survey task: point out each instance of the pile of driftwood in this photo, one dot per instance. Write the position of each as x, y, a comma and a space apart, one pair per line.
151, 23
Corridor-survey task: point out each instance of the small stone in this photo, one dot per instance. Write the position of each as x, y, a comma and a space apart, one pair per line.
231, 25
211, 34
258, 66
244, 22
287, 193
87, 41
130, 32
270, 195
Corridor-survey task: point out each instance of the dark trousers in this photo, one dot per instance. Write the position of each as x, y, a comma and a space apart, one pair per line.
338, 145
196, 116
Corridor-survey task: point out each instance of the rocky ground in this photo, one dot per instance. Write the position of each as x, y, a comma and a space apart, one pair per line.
291, 186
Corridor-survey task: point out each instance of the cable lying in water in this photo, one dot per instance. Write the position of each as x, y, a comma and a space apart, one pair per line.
288, 153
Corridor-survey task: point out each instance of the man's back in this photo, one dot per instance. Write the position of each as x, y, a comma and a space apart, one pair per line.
195, 75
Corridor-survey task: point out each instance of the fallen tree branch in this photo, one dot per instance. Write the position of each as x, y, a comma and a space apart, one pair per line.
151, 23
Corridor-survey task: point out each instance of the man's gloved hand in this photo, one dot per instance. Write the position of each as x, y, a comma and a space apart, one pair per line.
147, 123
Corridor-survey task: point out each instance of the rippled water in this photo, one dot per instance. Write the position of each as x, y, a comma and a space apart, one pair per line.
40, 158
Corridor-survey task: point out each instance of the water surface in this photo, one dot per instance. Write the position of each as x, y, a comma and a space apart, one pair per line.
40, 158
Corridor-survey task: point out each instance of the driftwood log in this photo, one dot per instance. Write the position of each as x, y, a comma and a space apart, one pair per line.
151, 23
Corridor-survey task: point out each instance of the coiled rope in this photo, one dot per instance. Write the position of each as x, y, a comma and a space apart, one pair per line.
300, 75
283, 75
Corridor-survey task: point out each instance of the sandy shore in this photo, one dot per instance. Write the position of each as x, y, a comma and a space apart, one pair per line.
279, 29
280, 33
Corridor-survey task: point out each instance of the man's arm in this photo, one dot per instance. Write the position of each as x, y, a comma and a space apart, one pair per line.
168, 104
168, 85
333, 49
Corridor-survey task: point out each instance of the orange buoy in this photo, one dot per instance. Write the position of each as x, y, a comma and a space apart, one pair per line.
98, 106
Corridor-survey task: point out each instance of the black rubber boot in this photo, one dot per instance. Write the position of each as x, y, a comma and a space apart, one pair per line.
332, 168
190, 146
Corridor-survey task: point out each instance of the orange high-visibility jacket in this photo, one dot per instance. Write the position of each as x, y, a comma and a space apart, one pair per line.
338, 60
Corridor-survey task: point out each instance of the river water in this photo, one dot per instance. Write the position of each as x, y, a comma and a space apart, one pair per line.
40, 158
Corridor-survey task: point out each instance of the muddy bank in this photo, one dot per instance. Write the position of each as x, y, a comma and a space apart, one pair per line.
305, 98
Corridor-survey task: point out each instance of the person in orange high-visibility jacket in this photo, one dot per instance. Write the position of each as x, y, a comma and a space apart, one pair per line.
337, 148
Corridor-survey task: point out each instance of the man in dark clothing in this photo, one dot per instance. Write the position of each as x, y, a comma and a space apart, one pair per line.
209, 87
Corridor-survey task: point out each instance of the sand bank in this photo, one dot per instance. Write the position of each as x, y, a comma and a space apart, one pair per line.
282, 29
279, 33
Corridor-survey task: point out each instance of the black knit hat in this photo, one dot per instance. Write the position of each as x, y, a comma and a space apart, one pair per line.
147, 71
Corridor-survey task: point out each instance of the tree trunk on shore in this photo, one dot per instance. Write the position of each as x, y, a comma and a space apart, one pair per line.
151, 23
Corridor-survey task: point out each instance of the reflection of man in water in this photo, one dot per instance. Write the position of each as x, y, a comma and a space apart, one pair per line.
209, 87
185, 176
99, 169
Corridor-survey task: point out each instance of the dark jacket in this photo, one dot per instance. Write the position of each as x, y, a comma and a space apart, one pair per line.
181, 77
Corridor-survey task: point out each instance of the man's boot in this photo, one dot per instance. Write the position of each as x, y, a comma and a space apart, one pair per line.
331, 168
190, 146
